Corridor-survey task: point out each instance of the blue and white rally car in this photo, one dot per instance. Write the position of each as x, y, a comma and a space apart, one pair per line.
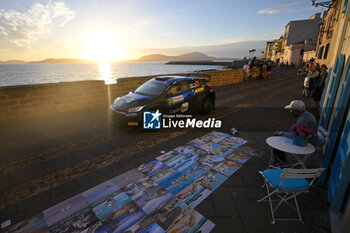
168, 94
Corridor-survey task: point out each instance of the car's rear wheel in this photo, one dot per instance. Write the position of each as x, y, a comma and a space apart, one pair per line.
208, 105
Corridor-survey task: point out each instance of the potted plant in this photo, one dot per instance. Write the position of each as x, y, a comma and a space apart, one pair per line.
301, 134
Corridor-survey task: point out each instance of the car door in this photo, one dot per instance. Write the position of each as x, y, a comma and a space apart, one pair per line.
178, 95
198, 90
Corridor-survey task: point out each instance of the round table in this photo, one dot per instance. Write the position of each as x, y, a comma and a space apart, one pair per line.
301, 153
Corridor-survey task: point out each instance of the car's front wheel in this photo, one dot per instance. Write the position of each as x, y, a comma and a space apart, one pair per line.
208, 105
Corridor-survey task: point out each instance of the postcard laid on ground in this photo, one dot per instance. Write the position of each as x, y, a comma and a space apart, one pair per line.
110, 204
197, 172
123, 217
75, 223
145, 225
216, 136
98, 227
186, 164
175, 216
171, 158
224, 150
176, 185
212, 180
100, 191
207, 227
237, 140
150, 168
186, 150
165, 176
198, 142
209, 147
36, 223
193, 194
227, 167
147, 194
64, 209
239, 156
127, 178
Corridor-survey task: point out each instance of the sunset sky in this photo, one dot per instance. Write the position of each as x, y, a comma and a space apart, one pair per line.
113, 29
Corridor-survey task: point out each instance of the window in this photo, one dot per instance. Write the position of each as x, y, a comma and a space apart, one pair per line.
178, 88
320, 52
301, 52
326, 51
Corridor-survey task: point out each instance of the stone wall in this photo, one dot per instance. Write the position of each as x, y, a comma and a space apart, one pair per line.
19, 102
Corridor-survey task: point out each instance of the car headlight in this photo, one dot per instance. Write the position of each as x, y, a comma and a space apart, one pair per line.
115, 101
135, 109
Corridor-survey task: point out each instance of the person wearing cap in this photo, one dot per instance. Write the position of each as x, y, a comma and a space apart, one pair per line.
297, 109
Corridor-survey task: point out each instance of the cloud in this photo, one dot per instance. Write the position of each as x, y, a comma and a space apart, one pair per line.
290, 7
23, 29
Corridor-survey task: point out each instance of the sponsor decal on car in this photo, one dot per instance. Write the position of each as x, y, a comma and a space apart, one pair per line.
175, 99
199, 90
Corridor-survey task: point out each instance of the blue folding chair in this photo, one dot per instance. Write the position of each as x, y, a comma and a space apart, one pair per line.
287, 184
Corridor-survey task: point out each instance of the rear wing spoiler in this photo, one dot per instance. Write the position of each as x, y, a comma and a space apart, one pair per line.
204, 76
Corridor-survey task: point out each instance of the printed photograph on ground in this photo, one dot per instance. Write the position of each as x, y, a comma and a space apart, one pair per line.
75, 223
171, 158
147, 194
194, 194
216, 136
227, 167
127, 178
212, 180
100, 191
108, 205
123, 217
175, 216
150, 168
64, 209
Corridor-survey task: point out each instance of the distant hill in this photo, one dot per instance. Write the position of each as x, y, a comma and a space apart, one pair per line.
194, 56
12, 62
62, 60
49, 60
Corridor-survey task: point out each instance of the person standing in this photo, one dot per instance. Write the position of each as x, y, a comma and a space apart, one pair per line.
319, 85
246, 71
308, 88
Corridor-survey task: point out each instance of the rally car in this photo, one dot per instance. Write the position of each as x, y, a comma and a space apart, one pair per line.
168, 94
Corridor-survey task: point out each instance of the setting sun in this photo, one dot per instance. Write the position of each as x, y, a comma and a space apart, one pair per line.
103, 47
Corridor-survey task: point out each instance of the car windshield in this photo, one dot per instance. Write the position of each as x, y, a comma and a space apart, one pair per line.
152, 87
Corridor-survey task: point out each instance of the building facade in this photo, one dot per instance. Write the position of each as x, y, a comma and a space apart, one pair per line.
327, 25
335, 118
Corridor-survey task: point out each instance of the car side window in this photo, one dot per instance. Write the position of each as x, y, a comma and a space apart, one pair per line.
178, 88
194, 84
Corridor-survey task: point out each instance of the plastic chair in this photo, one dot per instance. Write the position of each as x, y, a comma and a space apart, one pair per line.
287, 184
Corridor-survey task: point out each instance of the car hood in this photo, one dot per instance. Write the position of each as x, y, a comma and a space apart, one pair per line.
130, 100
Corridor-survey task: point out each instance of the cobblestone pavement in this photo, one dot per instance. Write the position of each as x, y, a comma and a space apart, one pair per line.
45, 161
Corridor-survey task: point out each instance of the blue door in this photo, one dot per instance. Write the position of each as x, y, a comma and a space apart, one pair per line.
326, 86
340, 175
332, 91
339, 115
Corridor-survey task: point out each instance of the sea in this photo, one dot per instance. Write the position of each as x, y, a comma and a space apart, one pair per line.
29, 74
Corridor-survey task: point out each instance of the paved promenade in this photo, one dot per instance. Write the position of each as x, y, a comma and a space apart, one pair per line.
45, 161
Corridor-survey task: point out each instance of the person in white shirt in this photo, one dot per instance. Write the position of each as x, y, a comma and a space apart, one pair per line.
308, 88
246, 71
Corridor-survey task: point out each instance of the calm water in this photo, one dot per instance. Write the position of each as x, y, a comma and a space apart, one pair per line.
23, 74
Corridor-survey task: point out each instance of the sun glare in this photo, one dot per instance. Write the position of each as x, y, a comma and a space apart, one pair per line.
103, 48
